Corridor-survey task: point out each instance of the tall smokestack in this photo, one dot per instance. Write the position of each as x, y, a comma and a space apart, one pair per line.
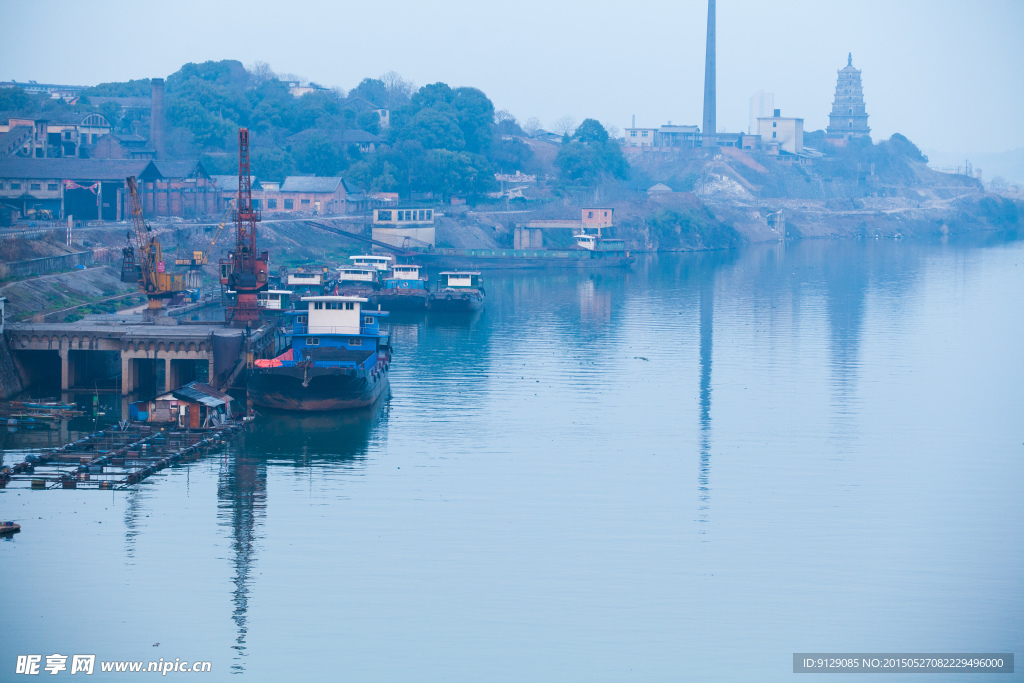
710, 125
156, 118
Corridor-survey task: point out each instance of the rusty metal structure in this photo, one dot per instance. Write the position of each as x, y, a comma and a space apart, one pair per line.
245, 269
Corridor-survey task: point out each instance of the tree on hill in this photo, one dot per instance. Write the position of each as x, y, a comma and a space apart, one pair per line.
141, 87
433, 128
15, 99
590, 154
372, 90
901, 145
318, 155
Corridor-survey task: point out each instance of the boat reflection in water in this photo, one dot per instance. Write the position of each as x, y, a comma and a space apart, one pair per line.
334, 435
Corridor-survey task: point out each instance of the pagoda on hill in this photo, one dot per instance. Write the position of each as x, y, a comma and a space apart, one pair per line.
848, 119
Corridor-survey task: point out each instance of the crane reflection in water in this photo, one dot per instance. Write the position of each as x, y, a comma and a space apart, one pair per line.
279, 439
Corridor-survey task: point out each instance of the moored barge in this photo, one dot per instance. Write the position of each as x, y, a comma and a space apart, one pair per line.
405, 289
458, 291
338, 359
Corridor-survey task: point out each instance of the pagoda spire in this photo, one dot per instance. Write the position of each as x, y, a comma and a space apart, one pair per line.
849, 117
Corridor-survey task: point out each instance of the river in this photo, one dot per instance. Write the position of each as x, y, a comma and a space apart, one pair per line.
686, 470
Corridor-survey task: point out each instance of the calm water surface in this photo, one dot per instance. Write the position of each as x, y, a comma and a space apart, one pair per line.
684, 471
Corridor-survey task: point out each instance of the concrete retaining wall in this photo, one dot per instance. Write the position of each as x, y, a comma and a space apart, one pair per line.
48, 264
10, 380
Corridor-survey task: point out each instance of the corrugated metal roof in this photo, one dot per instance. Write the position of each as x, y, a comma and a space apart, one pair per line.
310, 184
229, 183
201, 393
181, 169
72, 168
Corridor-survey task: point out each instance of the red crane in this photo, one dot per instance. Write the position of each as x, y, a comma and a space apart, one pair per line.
245, 269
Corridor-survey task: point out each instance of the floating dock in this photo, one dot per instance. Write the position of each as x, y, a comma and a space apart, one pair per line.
114, 458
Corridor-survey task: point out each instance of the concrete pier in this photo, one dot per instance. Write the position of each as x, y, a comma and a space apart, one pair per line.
181, 352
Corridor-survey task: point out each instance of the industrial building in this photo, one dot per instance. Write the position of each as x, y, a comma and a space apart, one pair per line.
91, 189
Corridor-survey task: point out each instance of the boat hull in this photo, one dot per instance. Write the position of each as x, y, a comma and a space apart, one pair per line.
400, 299
455, 302
316, 389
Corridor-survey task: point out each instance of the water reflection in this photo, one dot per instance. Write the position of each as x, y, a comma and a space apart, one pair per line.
707, 324
845, 288
242, 501
276, 438
305, 437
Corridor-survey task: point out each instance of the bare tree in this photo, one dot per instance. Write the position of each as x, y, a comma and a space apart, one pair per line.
532, 125
504, 115
261, 72
565, 125
397, 88
613, 130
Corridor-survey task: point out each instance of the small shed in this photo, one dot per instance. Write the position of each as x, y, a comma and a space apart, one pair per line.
193, 406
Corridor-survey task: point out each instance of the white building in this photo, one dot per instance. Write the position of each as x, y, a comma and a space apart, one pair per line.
640, 137
787, 133
761, 105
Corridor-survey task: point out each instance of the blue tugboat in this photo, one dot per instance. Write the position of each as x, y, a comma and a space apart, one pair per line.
405, 289
458, 291
338, 359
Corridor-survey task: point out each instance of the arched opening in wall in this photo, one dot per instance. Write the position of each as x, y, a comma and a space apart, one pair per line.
40, 370
95, 369
149, 377
188, 370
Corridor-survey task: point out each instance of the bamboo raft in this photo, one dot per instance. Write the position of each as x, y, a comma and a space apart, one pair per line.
114, 458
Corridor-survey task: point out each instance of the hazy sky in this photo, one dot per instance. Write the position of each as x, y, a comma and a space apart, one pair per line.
946, 74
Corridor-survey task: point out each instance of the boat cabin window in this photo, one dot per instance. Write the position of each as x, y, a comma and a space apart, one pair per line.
349, 305
355, 341
301, 318
368, 320
312, 341
318, 305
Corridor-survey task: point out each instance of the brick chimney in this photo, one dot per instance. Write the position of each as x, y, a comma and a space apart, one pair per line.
156, 118
710, 120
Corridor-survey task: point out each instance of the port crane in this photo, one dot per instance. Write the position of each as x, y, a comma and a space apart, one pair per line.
145, 258
201, 257
245, 269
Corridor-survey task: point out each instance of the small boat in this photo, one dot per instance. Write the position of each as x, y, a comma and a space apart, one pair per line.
357, 280
9, 528
600, 245
458, 291
274, 302
49, 406
302, 283
406, 289
381, 263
